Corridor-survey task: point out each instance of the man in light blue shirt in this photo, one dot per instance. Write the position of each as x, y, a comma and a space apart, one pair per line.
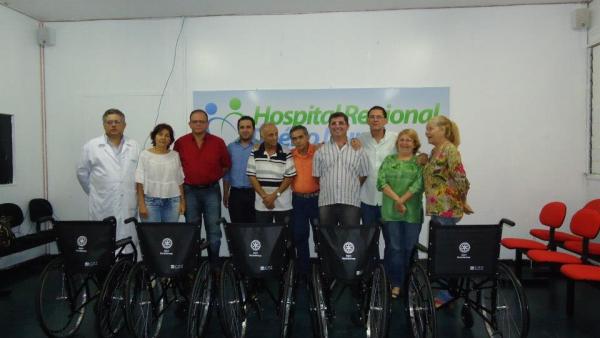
238, 194
378, 143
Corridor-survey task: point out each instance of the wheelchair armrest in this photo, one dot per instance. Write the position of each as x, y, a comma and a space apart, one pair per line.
421, 247
123, 242
204, 244
110, 219
131, 219
506, 221
222, 221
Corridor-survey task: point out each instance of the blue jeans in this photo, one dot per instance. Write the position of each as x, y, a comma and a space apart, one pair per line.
164, 210
305, 212
445, 220
400, 240
205, 203
370, 213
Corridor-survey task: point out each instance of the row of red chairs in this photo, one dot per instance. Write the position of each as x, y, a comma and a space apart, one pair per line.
576, 265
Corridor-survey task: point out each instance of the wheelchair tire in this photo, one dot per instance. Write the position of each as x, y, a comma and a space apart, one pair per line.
146, 302
419, 303
200, 301
286, 305
61, 300
505, 306
232, 303
318, 304
111, 304
379, 304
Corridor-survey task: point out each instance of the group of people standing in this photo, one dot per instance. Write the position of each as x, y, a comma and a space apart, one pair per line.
377, 177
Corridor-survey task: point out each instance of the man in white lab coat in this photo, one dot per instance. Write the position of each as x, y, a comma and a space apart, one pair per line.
106, 173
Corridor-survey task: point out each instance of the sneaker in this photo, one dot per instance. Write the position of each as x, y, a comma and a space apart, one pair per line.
442, 298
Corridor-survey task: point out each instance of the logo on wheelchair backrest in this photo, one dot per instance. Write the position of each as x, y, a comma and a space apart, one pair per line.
348, 248
464, 249
255, 245
81, 241
167, 243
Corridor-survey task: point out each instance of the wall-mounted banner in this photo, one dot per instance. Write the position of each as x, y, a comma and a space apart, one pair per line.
406, 107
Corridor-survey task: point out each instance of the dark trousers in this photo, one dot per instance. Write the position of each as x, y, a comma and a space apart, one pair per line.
282, 217
304, 215
241, 205
339, 214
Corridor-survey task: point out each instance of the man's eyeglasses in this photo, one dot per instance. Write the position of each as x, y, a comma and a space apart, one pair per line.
198, 122
113, 122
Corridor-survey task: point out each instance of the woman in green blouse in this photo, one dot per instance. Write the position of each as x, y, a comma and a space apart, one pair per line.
401, 180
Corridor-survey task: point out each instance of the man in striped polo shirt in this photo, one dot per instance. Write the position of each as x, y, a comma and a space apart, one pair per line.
270, 170
341, 171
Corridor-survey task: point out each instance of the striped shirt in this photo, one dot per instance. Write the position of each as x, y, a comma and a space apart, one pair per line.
270, 172
339, 171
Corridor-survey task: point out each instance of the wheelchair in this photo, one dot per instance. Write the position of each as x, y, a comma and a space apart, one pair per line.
349, 258
259, 253
170, 272
91, 266
463, 259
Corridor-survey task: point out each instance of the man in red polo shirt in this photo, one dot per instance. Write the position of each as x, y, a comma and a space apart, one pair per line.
205, 160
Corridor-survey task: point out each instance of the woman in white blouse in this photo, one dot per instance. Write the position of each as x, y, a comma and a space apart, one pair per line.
159, 179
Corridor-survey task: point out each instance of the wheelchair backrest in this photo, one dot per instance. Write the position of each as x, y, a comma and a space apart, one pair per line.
463, 250
169, 249
86, 246
348, 252
258, 250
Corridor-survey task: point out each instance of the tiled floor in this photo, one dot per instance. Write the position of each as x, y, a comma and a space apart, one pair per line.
546, 302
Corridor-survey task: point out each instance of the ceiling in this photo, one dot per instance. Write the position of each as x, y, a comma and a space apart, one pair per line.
78, 10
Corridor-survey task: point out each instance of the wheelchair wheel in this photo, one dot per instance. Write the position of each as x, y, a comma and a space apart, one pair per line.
379, 304
146, 303
505, 306
232, 303
318, 305
466, 316
111, 303
419, 303
200, 302
286, 305
61, 300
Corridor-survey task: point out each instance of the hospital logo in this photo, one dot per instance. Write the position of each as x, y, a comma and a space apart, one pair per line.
167, 243
464, 247
219, 123
81, 241
255, 245
348, 248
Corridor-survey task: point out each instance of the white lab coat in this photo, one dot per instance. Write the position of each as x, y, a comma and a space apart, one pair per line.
109, 181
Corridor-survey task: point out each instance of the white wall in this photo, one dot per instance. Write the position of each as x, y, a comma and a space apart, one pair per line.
20, 97
517, 77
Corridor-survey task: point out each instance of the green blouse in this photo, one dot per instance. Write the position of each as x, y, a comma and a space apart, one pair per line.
401, 176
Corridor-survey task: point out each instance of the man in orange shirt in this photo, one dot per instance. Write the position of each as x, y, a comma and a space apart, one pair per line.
305, 196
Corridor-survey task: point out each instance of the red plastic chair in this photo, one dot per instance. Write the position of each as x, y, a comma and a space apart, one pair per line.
593, 204
576, 245
552, 215
585, 223
578, 273
552, 236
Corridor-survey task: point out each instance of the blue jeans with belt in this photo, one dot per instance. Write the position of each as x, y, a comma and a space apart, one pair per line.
400, 240
162, 209
304, 216
205, 203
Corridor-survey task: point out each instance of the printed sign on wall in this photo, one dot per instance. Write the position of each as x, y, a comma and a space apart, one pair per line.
406, 107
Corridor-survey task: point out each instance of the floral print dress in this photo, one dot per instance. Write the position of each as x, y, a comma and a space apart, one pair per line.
446, 183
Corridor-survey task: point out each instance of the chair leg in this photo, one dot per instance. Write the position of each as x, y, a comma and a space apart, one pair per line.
570, 297
518, 262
